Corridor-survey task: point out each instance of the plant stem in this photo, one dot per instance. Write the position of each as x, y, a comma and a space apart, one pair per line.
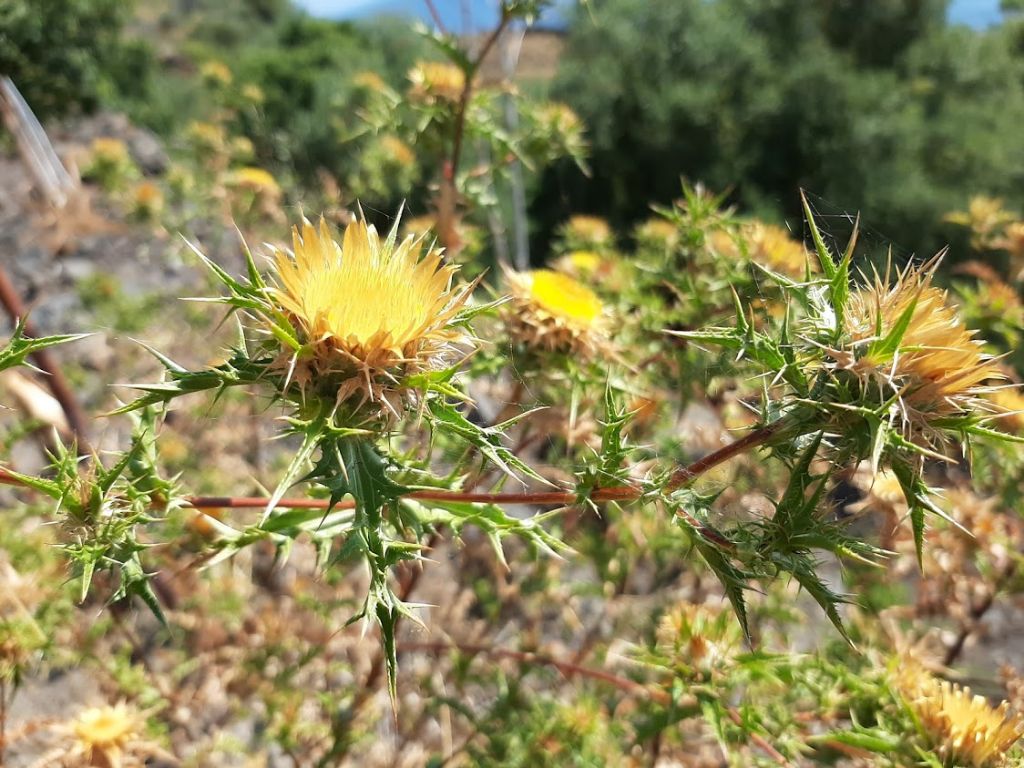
683, 475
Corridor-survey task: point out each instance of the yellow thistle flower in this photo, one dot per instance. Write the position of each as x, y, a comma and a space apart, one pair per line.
207, 137
419, 226
103, 735
723, 243
149, 200
110, 151
216, 73
369, 81
553, 312
984, 216
580, 263
1012, 239
773, 247
559, 117
658, 233
961, 727
370, 312
586, 231
256, 180
398, 151
253, 93
436, 81
1009, 402
938, 369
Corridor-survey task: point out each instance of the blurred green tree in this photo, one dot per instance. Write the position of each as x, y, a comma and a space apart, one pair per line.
878, 107
67, 55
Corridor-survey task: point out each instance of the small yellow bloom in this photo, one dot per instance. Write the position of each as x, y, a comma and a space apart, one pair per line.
551, 311
398, 151
255, 180
584, 232
149, 200
436, 81
103, 735
961, 727
370, 312
253, 93
207, 137
1009, 402
369, 81
984, 216
773, 247
110, 151
216, 73
559, 117
657, 233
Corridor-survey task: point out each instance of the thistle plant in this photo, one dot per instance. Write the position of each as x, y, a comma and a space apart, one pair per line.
355, 340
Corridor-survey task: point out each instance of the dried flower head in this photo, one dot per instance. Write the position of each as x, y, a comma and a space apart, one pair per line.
551, 311
911, 345
697, 636
961, 727
370, 312
434, 81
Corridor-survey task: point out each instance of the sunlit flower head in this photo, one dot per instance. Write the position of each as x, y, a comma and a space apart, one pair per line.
961, 727
369, 81
102, 736
657, 233
369, 311
984, 217
216, 73
148, 199
697, 636
110, 151
580, 263
937, 368
397, 150
436, 81
552, 311
255, 180
583, 232
207, 137
253, 93
1009, 407
773, 247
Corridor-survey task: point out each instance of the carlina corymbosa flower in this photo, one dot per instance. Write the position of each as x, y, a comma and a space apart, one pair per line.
910, 346
102, 736
436, 81
961, 727
369, 312
553, 312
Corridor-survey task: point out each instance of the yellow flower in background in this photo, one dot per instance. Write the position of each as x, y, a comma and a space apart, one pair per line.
436, 81
775, 248
207, 137
984, 217
149, 200
960, 727
580, 263
369, 81
253, 93
1010, 402
419, 226
552, 311
103, 735
938, 367
256, 180
657, 232
582, 232
216, 73
370, 311
398, 151
110, 151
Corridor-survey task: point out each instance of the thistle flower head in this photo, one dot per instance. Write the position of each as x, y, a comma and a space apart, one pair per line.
910, 343
102, 735
552, 311
961, 727
657, 233
255, 180
586, 232
434, 81
369, 311
775, 248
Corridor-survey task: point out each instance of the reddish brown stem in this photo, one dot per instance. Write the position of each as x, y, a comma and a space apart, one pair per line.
45, 362
682, 476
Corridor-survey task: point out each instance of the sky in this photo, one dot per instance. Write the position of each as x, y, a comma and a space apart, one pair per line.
977, 13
